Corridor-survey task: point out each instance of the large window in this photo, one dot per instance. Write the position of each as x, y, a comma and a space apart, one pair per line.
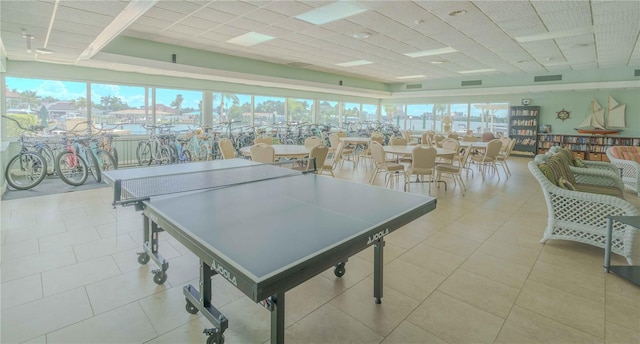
350, 113
116, 104
369, 113
46, 102
300, 110
269, 110
179, 108
420, 117
489, 117
328, 112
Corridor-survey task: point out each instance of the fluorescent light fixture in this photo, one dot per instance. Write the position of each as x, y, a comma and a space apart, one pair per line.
354, 63
361, 35
44, 51
477, 71
121, 22
556, 34
250, 39
411, 76
332, 12
432, 52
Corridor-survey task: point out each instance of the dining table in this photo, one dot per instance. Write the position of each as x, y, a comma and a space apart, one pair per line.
283, 151
407, 150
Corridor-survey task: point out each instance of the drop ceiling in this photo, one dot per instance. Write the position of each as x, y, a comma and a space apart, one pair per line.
485, 38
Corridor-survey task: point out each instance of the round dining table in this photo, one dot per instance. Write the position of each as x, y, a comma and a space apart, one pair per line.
477, 144
355, 140
407, 150
283, 151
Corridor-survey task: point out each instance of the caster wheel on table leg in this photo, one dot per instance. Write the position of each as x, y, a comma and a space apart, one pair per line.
215, 337
191, 308
339, 270
160, 277
143, 258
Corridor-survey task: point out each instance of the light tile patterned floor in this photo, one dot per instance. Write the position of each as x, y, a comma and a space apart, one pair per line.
472, 271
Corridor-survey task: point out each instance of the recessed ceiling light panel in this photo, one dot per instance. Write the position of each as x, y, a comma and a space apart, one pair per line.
250, 39
354, 63
332, 12
555, 34
361, 35
477, 71
411, 76
432, 52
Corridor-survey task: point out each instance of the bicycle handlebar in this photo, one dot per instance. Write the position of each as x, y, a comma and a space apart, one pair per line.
32, 128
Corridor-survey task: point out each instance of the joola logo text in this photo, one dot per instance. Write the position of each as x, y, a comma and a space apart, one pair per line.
224, 272
377, 236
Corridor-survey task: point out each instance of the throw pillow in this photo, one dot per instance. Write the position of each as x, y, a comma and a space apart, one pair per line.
546, 170
565, 184
577, 162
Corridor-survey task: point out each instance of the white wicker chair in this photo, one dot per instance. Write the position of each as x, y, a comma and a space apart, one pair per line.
593, 172
630, 170
581, 216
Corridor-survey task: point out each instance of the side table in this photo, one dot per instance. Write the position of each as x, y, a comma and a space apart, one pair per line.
629, 272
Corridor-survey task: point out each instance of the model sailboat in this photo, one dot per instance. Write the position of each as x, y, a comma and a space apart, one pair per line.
595, 124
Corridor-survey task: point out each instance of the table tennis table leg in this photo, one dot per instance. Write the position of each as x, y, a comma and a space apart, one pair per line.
378, 265
277, 319
150, 246
201, 301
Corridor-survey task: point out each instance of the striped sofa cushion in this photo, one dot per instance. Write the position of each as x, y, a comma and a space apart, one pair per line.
626, 153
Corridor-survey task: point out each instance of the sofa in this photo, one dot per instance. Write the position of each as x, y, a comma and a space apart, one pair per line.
577, 211
627, 159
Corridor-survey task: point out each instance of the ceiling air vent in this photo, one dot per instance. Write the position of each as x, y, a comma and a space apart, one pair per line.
471, 83
547, 78
414, 86
637, 72
299, 64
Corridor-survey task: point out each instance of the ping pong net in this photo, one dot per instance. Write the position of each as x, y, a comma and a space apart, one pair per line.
135, 190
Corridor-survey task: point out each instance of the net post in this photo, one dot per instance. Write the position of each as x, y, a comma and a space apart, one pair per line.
117, 191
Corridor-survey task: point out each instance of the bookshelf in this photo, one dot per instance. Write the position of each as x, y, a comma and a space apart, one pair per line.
523, 127
584, 146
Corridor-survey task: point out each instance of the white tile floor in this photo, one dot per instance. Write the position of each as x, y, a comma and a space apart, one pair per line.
472, 271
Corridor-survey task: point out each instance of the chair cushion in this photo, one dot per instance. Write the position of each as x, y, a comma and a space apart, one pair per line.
626, 153
600, 189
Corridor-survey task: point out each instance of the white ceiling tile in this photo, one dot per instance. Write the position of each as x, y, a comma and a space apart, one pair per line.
484, 36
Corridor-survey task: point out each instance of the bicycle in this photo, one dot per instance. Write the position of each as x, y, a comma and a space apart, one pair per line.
155, 148
28, 168
70, 167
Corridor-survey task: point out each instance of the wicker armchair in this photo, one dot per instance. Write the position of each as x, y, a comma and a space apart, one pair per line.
587, 172
630, 168
581, 216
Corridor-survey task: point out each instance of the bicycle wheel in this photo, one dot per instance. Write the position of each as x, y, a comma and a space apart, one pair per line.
143, 153
114, 153
185, 156
46, 152
26, 170
71, 169
173, 155
94, 166
204, 152
106, 161
165, 155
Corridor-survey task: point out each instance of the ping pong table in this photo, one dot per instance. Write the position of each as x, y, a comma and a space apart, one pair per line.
328, 219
